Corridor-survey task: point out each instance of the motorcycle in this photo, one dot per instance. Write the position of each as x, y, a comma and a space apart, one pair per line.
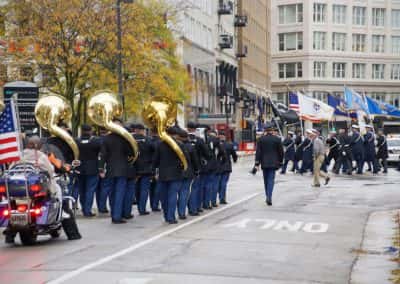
30, 208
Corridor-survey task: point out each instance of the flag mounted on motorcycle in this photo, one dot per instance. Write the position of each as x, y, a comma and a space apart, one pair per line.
10, 146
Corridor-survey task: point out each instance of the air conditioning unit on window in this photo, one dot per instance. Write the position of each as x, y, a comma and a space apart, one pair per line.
225, 41
240, 21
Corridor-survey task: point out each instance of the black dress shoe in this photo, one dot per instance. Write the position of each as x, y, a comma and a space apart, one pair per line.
194, 214
118, 221
89, 215
215, 205
182, 217
173, 222
128, 217
223, 202
156, 210
327, 180
144, 213
269, 203
200, 210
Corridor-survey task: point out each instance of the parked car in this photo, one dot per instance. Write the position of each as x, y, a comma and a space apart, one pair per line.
393, 142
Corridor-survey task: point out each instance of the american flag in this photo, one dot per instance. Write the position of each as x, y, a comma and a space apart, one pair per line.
9, 135
294, 102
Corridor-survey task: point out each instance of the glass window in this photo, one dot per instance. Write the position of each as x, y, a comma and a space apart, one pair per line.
378, 43
359, 42
396, 44
359, 70
290, 41
339, 70
339, 14
378, 71
395, 74
319, 13
290, 70
378, 17
395, 18
359, 16
319, 41
291, 14
319, 69
338, 41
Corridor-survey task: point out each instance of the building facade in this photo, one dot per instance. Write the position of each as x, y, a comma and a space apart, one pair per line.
320, 46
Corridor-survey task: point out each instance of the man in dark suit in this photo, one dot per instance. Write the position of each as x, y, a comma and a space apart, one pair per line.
170, 175
357, 148
104, 187
154, 187
226, 166
144, 171
383, 153
269, 155
345, 155
289, 144
88, 177
114, 156
369, 149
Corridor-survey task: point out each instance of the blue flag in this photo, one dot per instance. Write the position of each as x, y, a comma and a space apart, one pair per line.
340, 106
355, 101
381, 108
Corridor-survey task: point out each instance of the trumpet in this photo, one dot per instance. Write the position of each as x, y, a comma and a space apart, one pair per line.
103, 107
160, 113
51, 110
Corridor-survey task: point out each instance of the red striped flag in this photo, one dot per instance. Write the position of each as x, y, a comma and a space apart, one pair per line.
9, 135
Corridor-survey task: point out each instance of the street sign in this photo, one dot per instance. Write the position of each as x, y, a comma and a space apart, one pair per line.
27, 97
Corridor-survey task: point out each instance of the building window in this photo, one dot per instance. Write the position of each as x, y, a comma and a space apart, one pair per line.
395, 18
319, 41
321, 96
378, 17
319, 69
359, 70
396, 44
395, 74
339, 14
338, 41
359, 42
378, 43
290, 14
290, 70
359, 16
290, 41
339, 70
319, 13
378, 71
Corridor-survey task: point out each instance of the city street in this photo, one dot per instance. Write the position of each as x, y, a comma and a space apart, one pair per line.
308, 236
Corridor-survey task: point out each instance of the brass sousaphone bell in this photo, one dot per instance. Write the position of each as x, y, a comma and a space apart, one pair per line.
50, 110
160, 113
103, 107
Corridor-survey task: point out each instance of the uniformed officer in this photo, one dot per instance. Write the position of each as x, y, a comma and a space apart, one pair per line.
369, 149
88, 171
188, 175
383, 153
334, 149
212, 181
154, 187
105, 183
170, 174
289, 144
143, 167
298, 141
114, 164
307, 149
130, 195
203, 154
226, 167
345, 155
357, 148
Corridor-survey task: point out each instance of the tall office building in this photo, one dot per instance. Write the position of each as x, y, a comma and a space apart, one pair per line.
319, 46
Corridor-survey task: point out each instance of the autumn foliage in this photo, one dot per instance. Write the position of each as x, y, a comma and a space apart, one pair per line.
77, 41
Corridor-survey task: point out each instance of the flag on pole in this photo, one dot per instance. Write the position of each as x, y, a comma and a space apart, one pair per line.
294, 102
381, 108
313, 109
355, 101
340, 107
9, 135
283, 112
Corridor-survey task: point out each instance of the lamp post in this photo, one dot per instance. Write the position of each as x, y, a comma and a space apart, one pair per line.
119, 49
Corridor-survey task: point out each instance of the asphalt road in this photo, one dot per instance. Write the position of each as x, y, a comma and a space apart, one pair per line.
308, 236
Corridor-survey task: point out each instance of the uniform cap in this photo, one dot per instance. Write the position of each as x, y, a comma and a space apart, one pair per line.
192, 125
291, 132
309, 131
368, 126
269, 126
140, 126
86, 127
355, 126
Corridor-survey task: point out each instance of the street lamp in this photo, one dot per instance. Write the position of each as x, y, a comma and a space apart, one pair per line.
119, 49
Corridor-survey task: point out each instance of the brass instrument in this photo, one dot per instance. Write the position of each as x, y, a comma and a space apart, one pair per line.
160, 113
49, 111
103, 107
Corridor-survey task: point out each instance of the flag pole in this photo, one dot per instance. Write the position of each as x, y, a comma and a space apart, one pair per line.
300, 119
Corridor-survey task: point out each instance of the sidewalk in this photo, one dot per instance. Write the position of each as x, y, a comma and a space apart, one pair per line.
373, 264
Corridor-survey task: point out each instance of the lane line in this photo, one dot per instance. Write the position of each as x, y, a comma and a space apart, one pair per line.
132, 248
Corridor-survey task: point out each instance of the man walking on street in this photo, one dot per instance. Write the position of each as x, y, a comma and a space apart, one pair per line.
269, 155
319, 157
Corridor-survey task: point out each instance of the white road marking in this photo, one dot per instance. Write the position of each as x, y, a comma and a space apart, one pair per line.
135, 281
316, 228
132, 248
287, 226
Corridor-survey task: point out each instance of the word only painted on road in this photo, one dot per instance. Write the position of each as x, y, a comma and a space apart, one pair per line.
276, 225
